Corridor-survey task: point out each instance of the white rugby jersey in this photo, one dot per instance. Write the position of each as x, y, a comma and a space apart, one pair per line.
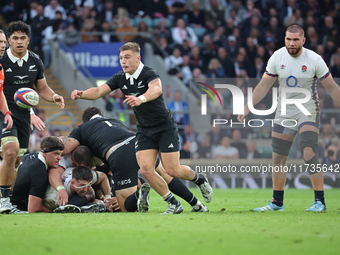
298, 72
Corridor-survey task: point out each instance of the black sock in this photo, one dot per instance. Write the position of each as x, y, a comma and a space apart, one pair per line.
177, 187
5, 190
171, 199
199, 179
131, 202
319, 196
278, 197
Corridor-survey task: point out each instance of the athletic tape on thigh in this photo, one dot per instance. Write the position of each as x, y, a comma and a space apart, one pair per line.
281, 146
22, 152
310, 139
9, 139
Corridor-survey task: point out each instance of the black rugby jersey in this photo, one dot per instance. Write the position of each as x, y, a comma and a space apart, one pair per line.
32, 177
17, 77
100, 134
151, 113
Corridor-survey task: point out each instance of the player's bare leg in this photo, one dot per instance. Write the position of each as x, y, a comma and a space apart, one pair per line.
170, 161
10, 152
309, 135
147, 160
123, 194
278, 177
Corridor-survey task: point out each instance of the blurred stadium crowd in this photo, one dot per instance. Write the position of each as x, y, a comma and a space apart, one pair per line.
202, 39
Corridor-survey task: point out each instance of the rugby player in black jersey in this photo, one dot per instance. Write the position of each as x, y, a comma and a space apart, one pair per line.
22, 68
32, 177
156, 129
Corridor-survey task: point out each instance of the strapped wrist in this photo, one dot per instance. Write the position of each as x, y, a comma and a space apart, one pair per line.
54, 96
142, 98
60, 187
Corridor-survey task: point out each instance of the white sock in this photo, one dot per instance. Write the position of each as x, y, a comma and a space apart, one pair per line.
197, 205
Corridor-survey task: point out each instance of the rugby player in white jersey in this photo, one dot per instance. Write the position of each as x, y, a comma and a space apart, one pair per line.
298, 67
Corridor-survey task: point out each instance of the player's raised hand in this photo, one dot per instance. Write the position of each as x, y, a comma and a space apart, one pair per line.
133, 101
59, 100
8, 120
37, 122
241, 117
76, 94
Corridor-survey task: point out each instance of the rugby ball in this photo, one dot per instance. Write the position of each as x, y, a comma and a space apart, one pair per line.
26, 98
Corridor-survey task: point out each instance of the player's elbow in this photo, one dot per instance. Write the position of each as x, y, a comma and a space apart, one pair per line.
158, 91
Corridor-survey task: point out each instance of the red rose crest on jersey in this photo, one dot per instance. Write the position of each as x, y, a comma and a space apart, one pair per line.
304, 68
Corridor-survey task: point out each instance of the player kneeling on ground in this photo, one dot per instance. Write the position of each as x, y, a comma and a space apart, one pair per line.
32, 176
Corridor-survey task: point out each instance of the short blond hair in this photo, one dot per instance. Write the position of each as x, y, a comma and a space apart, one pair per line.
134, 47
1, 31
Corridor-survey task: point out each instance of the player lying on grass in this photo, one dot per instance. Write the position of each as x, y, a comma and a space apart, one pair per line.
110, 140
65, 187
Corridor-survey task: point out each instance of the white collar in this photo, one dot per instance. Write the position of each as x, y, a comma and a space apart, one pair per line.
16, 59
96, 116
136, 73
42, 159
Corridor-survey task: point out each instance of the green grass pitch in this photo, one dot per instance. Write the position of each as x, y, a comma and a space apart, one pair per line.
229, 228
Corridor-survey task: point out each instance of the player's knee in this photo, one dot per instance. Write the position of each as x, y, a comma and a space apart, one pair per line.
309, 144
173, 172
146, 171
10, 155
308, 153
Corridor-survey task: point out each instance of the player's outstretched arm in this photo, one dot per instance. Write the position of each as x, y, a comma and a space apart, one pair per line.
54, 177
154, 91
332, 88
104, 184
259, 93
91, 93
48, 94
4, 109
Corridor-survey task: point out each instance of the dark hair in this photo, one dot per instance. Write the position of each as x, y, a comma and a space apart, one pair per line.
82, 173
18, 26
51, 143
82, 155
90, 112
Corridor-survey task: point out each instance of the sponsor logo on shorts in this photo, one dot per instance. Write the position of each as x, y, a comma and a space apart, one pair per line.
170, 146
123, 182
